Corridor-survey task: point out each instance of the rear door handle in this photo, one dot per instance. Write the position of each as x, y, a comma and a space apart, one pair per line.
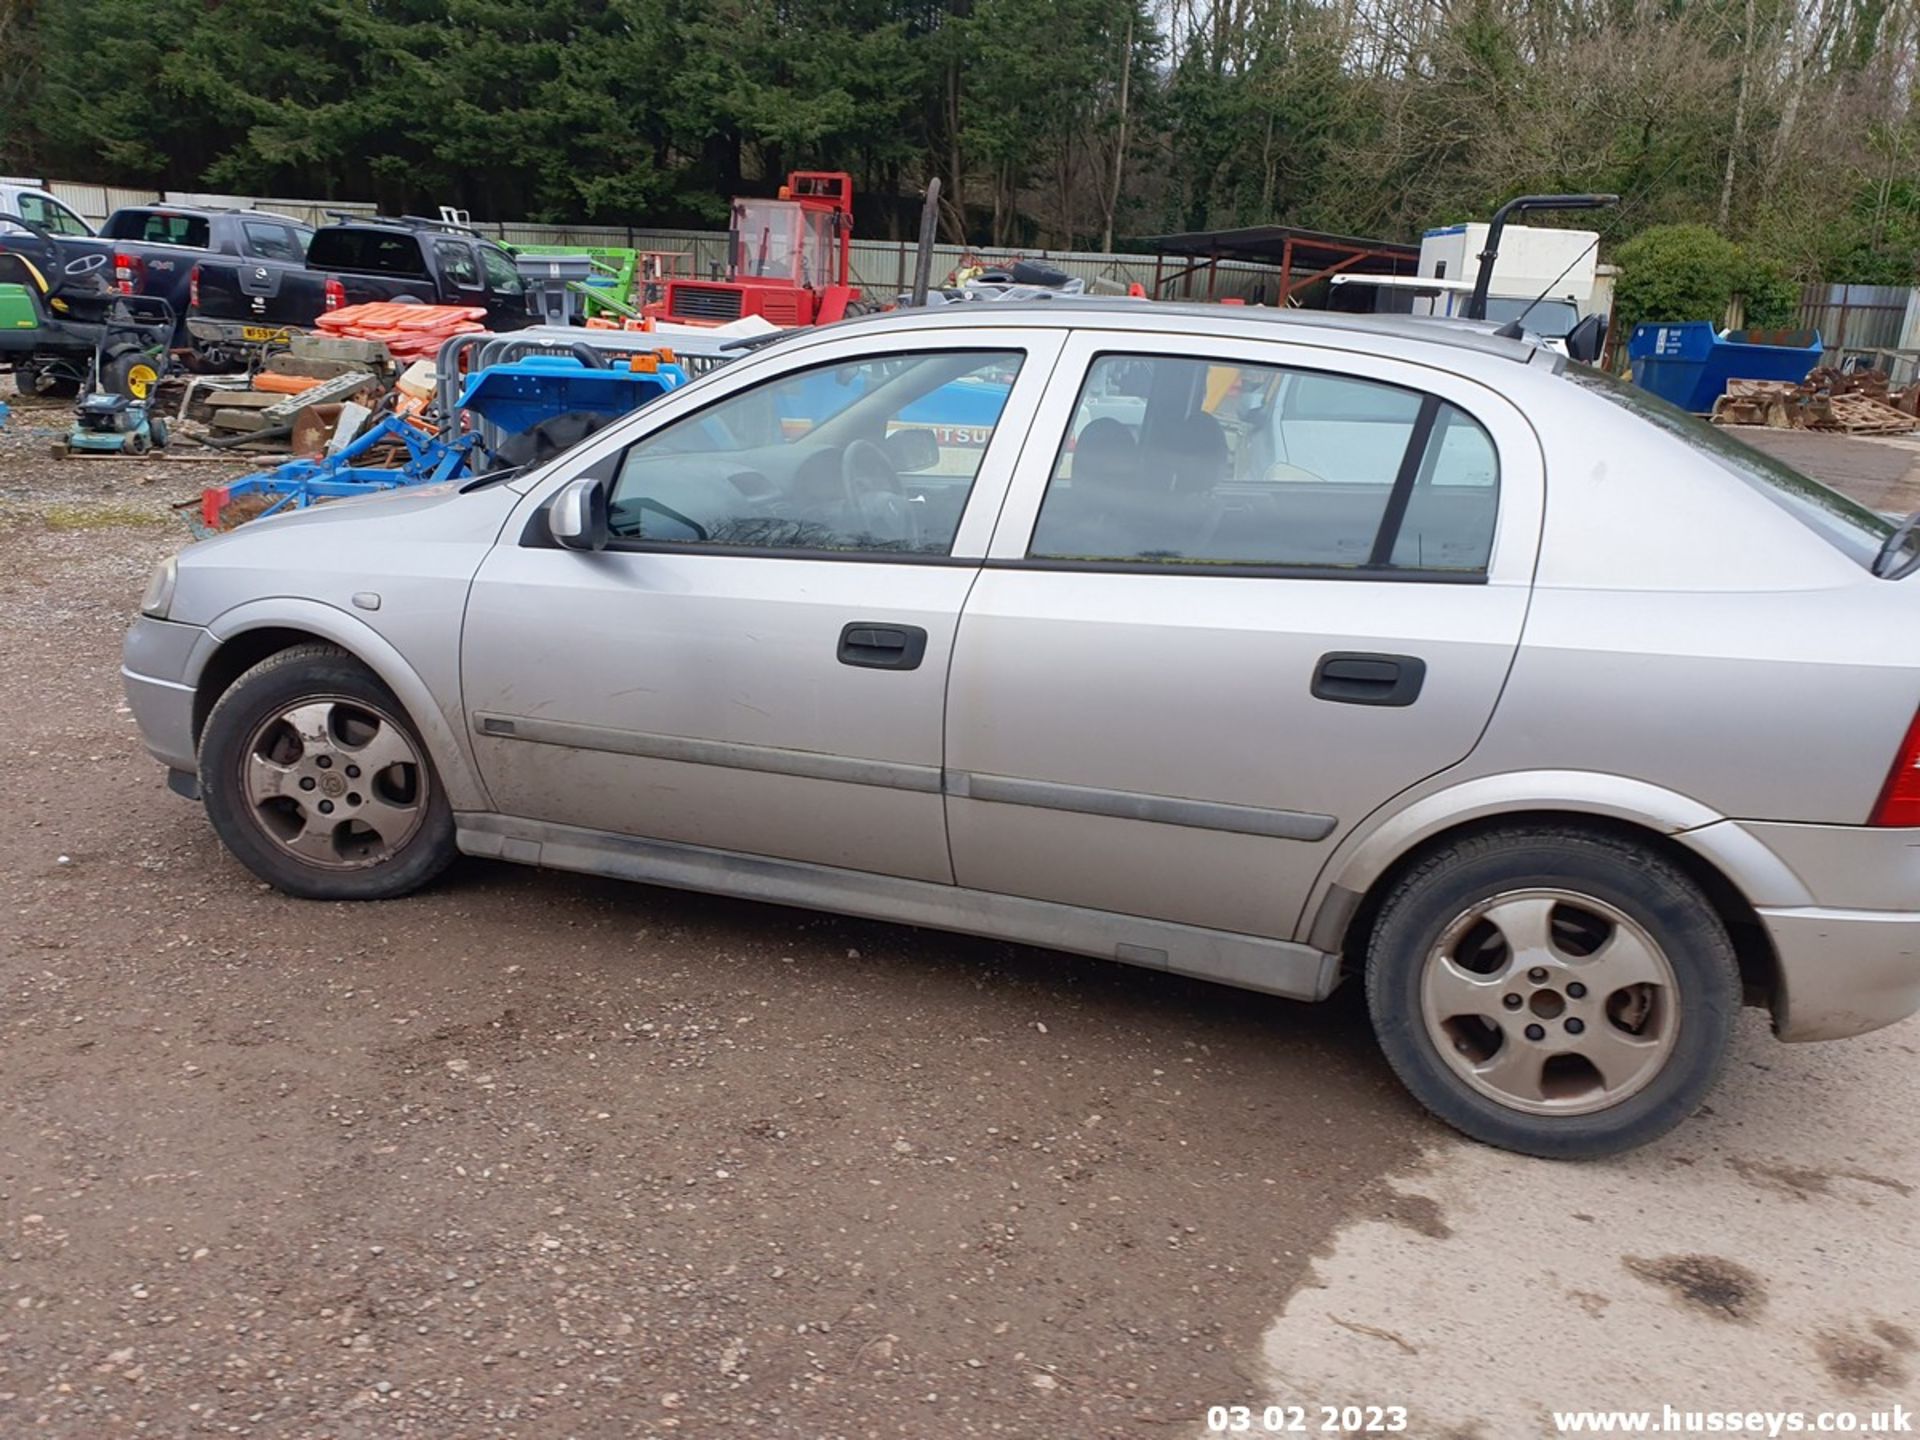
1358, 677
877, 645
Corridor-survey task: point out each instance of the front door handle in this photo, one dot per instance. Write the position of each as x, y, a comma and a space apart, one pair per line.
878, 645
1358, 677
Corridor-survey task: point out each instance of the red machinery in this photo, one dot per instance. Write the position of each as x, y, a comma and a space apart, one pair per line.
786, 259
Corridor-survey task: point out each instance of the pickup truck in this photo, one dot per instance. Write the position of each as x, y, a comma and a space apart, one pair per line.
151, 249
355, 262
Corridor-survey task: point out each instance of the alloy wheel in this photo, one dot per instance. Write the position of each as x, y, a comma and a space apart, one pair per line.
1550, 1001
334, 782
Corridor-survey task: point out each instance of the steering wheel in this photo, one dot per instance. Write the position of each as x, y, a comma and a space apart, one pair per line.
874, 493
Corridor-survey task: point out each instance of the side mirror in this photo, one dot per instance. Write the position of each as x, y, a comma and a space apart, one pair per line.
912, 450
577, 515
1587, 339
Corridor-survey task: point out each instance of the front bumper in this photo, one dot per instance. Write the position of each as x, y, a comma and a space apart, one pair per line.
153, 669
1841, 905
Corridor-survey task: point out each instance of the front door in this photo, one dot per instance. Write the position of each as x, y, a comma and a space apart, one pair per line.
758, 662
1241, 594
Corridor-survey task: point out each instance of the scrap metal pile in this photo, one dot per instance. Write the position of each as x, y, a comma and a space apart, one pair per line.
1854, 402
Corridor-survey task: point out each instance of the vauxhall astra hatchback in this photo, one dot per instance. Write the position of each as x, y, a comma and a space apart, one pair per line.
1284, 651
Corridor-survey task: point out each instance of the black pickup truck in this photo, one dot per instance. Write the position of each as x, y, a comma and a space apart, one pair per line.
152, 249
356, 262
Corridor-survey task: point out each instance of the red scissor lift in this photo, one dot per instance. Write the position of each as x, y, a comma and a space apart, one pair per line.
787, 259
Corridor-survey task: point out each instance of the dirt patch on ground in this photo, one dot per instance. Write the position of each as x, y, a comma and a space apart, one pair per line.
538, 1154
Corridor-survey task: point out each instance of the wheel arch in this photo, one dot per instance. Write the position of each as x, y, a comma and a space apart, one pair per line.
1342, 909
243, 637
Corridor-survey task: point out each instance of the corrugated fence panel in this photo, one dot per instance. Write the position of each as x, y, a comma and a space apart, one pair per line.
94, 203
881, 268
1854, 317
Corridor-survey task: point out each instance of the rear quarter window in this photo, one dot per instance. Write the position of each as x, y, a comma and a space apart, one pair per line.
369, 252
1848, 526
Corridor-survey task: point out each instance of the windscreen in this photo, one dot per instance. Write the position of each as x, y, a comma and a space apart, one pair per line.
1849, 527
157, 227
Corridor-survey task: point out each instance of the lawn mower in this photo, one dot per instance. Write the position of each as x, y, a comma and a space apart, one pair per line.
110, 421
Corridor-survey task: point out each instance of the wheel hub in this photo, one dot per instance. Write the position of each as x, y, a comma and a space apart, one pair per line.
1550, 1001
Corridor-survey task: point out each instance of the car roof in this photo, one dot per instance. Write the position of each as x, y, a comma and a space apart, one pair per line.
1386, 334
206, 212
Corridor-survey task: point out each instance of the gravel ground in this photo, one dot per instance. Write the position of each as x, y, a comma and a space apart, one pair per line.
536, 1154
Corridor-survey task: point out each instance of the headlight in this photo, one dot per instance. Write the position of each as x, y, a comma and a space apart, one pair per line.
159, 597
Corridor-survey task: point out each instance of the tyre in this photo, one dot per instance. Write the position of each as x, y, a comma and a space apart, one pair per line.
1558, 992
131, 374
318, 782
26, 380
157, 432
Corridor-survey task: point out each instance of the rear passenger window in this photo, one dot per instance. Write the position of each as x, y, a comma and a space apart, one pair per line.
1184, 461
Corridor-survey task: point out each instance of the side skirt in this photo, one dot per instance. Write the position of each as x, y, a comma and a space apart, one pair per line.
1277, 967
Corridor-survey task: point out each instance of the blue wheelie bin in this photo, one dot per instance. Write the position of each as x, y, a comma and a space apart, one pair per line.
1688, 364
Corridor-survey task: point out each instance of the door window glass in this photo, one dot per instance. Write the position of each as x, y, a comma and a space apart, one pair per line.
52, 216
877, 454
1177, 460
270, 241
501, 274
456, 263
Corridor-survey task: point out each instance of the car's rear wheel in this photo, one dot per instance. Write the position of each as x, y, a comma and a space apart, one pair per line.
318, 782
1554, 991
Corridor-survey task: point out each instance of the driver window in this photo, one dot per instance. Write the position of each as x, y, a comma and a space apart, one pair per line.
501, 274
877, 454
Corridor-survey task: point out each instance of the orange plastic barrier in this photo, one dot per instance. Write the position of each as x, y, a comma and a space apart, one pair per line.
272, 384
410, 332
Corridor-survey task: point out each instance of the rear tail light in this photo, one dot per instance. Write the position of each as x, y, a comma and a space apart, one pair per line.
336, 294
193, 288
127, 270
1899, 802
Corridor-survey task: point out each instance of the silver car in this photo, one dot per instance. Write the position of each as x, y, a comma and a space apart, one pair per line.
1268, 649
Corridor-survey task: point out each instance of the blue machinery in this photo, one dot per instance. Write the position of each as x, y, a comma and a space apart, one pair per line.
499, 402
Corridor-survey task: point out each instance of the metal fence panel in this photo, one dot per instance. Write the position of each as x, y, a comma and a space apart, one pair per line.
1853, 317
881, 268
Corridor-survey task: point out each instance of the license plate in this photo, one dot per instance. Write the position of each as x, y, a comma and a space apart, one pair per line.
261, 332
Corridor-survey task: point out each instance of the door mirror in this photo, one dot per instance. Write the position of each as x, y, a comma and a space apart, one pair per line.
1587, 339
577, 516
912, 451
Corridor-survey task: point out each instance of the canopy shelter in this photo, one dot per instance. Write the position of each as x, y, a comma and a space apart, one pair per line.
1302, 257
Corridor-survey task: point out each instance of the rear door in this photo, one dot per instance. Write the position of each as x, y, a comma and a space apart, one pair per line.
758, 662
1194, 660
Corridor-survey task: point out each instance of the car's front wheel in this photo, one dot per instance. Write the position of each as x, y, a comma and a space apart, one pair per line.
318, 782
1551, 990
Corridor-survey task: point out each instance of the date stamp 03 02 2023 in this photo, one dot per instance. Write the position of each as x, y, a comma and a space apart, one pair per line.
1307, 1419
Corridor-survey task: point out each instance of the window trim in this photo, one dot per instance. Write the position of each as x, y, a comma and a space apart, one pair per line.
1028, 354
1232, 570
1519, 473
